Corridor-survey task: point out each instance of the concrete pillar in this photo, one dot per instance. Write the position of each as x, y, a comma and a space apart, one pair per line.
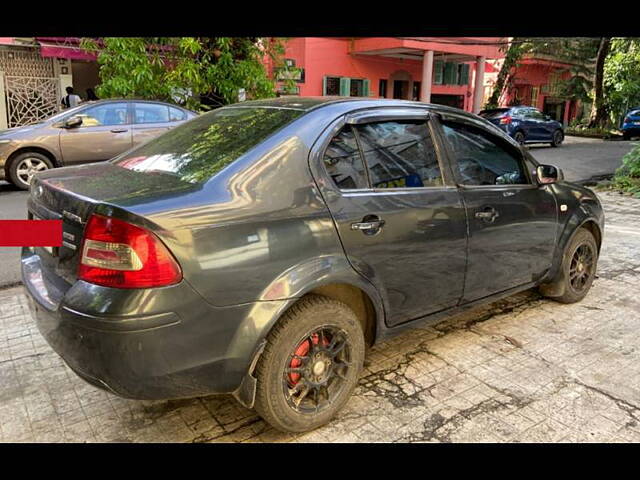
427, 76
478, 88
3, 107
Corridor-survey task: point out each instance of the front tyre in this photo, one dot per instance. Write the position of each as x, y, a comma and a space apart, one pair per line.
310, 365
578, 269
557, 138
24, 166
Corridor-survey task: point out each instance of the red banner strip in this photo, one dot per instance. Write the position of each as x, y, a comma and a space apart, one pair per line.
30, 233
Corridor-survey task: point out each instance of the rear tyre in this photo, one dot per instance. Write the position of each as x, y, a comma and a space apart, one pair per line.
626, 136
578, 269
310, 365
519, 137
24, 166
557, 138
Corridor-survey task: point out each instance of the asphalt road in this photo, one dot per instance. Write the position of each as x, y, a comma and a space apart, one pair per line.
580, 159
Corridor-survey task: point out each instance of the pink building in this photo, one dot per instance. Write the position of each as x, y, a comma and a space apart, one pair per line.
534, 83
396, 67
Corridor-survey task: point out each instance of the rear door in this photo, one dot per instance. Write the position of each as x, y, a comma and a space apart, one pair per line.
150, 120
400, 218
512, 220
105, 132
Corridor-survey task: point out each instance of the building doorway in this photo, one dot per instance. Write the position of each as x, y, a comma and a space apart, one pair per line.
554, 107
401, 89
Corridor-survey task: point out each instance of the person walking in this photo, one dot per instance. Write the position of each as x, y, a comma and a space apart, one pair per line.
70, 100
91, 95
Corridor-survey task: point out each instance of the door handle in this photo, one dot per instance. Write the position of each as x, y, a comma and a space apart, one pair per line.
368, 225
119, 130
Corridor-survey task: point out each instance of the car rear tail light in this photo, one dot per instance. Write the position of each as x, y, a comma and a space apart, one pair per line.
121, 255
627, 119
505, 120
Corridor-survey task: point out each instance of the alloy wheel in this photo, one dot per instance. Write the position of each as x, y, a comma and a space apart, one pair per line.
28, 167
316, 371
581, 268
519, 137
557, 138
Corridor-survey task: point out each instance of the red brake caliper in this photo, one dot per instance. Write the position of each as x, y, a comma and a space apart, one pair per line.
302, 351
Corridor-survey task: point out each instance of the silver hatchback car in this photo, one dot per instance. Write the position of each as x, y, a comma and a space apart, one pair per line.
91, 132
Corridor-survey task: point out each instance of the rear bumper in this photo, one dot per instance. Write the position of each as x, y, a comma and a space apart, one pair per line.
136, 345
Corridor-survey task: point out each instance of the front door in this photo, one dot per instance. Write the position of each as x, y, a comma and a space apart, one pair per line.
402, 224
104, 133
512, 220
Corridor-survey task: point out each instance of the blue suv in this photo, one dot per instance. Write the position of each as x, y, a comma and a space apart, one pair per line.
631, 124
526, 125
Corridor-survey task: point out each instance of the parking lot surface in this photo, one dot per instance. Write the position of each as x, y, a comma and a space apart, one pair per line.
524, 369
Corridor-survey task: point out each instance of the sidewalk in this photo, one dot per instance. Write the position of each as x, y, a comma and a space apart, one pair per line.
524, 369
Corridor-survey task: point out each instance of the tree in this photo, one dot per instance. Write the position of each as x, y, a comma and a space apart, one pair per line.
513, 52
577, 53
622, 76
599, 116
198, 72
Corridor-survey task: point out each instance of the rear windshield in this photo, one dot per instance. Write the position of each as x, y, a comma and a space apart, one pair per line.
200, 148
634, 113
491, 114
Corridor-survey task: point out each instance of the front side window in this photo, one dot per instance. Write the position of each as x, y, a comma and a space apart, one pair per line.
482, 158
343, 161
106, 114
198, 149
151, 113
399, 154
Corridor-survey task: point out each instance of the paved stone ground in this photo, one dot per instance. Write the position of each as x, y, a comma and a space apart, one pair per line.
524, 369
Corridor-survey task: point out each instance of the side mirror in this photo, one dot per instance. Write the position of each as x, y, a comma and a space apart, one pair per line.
73, 122
547, 117
548, 174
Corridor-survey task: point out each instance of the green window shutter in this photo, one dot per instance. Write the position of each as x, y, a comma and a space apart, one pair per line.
365, 87
324, 85
345, 86
450, 73
464, 74
438, 66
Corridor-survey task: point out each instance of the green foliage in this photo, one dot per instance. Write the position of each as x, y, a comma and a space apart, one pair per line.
627, 177
197, 72
622, 76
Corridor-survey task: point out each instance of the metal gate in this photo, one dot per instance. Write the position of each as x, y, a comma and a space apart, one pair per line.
31, 99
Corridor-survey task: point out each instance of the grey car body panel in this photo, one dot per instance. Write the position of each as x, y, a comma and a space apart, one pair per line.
251, 241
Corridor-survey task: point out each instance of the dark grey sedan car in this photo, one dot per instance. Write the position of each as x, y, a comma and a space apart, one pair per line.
256, 250
90, 132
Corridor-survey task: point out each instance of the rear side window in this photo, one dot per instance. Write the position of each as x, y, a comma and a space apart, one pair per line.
198, 149
151, 113
482, 159
399, 154
343, 161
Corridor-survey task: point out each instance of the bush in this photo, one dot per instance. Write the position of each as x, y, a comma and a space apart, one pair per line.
627, 177
630, 164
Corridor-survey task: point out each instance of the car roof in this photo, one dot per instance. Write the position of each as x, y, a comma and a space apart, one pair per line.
137, 100
348, 103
